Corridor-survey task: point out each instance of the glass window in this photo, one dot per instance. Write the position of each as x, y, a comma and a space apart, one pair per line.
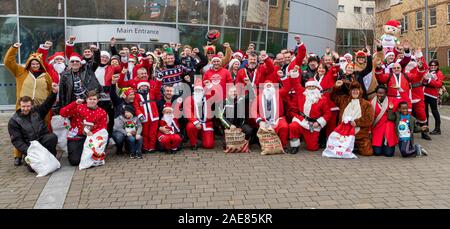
34, 32
228, 35
156, 10
369, 10
96, 9
193, 11
448, 57
279, 17
276, 42
225, 12
7, 87
357, 10
257, 37
53, 8
405, 19
402, 23
254, 14
193, 35
273, 3
448, 12
432, 55
341, 8
8, 34
419, 20
8, 7
433, 16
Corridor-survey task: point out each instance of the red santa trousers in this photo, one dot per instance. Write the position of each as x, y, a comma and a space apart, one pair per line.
282, 130
170, 141
419, 111
207, 136
311, 139
149, 135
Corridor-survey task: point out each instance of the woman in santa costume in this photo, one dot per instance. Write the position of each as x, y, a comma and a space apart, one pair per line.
169, 130
198, 111
86, 119
148, 93
360, 111
384, 137
313, 113
433, 82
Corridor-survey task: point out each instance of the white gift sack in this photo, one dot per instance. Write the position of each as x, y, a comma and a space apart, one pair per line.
41, 160
94, 150
60, 127
341, 142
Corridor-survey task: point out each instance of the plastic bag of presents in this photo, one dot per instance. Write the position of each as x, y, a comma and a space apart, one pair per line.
235, 141
41, 160
270, 142
341, 142
60, 127
94, 150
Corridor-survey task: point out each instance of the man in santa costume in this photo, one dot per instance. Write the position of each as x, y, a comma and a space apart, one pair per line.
169, 130
219, 77
257, 74
198, 111
56, 63
390, 57
312, 115
148, 93
384, 137
359, 111
268, 109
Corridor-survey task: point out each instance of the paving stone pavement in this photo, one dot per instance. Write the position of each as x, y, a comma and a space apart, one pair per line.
211, 179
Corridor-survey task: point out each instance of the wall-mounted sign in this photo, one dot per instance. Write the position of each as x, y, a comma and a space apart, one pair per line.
126, 33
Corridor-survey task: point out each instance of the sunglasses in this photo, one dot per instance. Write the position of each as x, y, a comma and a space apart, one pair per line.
74, 61
397, 68
433, 65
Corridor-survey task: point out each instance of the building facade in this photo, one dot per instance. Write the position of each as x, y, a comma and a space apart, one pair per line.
411, 14
148, 23
355, 25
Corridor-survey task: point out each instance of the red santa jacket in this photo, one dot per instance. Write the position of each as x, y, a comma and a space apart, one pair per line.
195, 116
80, 114
383, 128
403, 82
131, 83
258, 76
298, 60
416, 84
433, 85
258, 111
320, 110
174, 128
146, 104
49, 67
219, 78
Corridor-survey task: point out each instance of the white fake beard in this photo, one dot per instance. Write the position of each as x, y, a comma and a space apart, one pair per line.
124, 59
252, 66
268, 93
411, 65
59, 67
130, 67
312, 96
198, 98
168, 119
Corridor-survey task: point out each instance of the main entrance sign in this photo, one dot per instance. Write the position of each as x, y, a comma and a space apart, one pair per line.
125, 33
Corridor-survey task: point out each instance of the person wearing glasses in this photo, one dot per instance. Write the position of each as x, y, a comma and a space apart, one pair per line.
433, 81
76, 81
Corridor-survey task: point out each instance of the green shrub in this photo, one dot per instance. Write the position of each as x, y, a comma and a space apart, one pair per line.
445, 70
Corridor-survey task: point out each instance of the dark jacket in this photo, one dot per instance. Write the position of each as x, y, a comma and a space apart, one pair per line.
307, 74
361, 74
229, 114
413, 127
66, 95
118, 103
24, 129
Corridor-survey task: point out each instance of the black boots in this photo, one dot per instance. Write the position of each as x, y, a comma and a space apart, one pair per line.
294, 150
17, 161
436, 131
426, 136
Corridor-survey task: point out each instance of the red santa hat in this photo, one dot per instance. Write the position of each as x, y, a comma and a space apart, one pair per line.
167, 106
127, 92
210, 49
313, 83
238, 53
105, 53
52, 58
389, 54
361, 54
348, 55
393, 23
143, 83
132, 57
75, 56
268, 83
215, 57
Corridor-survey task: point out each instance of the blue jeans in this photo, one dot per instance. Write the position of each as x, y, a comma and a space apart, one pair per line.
134, 145
406, 149
383, 150
119, 139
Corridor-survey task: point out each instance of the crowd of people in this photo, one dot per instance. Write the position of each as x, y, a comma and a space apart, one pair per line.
169, 98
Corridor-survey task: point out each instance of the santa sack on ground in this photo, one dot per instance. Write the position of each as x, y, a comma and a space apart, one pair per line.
341, 141
94, 150
235, 141
270, 142
60, 127
41, 160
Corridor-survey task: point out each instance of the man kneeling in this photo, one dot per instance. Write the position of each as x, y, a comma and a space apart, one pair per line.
27, 124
